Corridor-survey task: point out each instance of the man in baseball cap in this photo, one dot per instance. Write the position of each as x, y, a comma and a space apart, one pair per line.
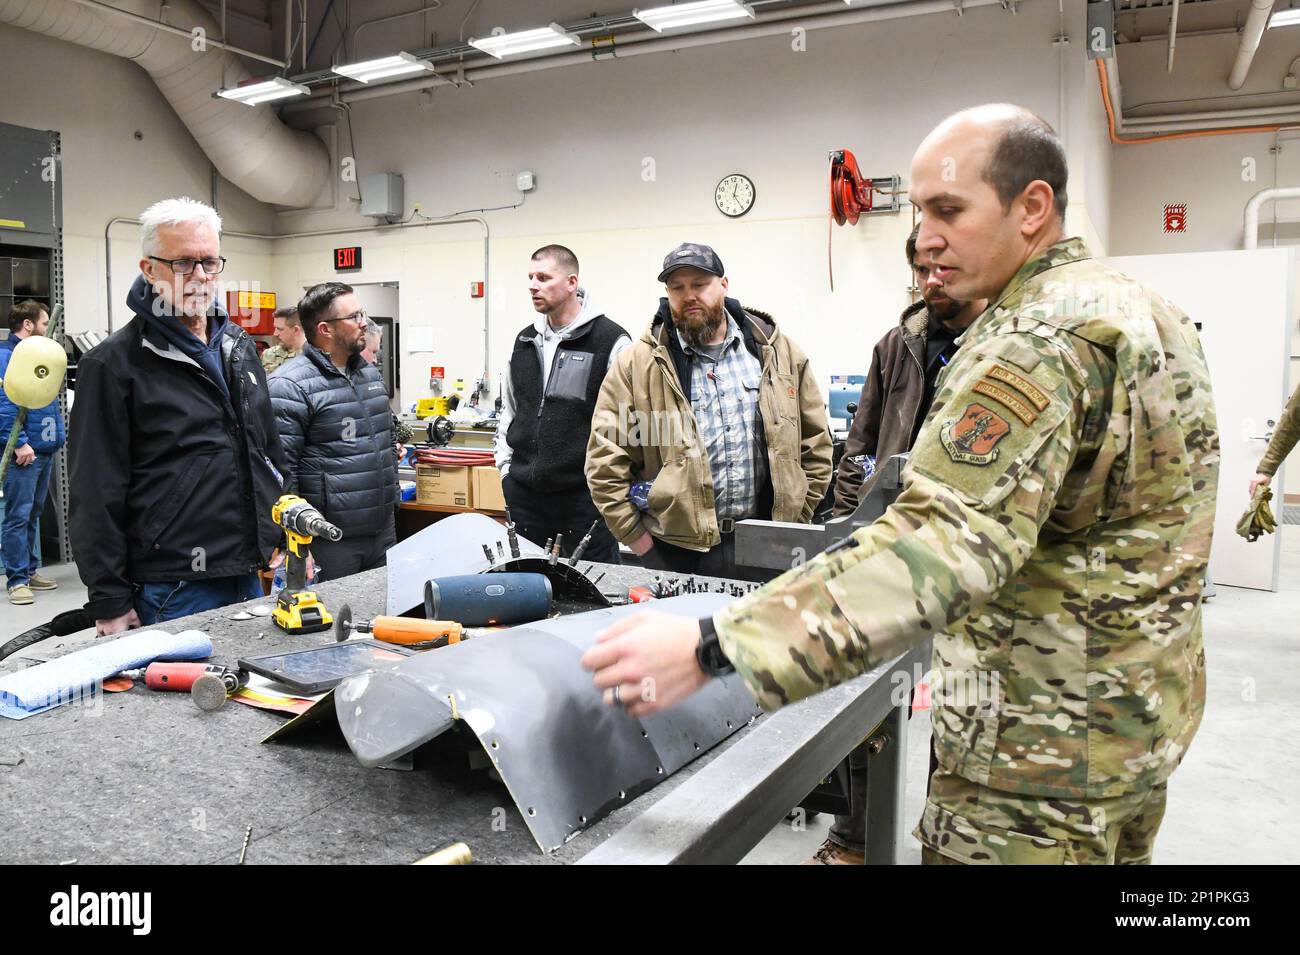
681, 446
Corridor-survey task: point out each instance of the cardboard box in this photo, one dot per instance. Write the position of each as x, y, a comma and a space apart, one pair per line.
448, 487
488, 495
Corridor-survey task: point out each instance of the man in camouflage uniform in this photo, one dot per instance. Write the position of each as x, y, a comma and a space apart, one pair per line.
1051, 536
1283, 441
289, 333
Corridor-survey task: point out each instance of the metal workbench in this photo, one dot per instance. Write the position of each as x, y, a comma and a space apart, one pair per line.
146, 777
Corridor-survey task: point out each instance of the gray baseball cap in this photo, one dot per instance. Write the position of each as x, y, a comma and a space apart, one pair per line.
694, 255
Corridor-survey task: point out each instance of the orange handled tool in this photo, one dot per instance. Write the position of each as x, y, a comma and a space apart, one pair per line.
407, 631
180, 677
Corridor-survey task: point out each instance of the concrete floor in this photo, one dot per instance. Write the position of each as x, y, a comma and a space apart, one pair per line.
70, 595
1229, 802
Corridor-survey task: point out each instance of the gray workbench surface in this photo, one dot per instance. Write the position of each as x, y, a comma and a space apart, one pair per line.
147, 777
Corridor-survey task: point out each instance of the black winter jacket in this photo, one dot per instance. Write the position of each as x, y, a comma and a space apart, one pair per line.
337, 434
169, 479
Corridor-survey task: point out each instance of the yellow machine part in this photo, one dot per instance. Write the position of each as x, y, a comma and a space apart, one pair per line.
35, 372
432, 407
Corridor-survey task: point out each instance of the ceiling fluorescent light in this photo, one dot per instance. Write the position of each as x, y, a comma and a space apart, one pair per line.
1285, 18
690, 14
250, 94
525, 41
397, 65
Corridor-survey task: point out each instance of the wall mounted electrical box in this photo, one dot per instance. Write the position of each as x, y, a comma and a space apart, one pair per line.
382, 196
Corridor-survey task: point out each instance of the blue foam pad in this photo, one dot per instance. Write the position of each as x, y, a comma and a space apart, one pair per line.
77, 676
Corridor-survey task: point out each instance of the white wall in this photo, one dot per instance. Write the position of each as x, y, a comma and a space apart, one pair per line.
1214, 175
756, 107
1091, 156
96, 103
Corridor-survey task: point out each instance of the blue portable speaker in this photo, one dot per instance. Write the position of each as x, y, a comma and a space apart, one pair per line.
480, 600
845, 389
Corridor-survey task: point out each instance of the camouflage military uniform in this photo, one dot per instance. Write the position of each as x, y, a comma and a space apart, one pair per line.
1051, 536
972, 824
275, 356
1284, 438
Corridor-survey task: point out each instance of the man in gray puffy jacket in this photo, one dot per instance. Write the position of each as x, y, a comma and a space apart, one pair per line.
332, 410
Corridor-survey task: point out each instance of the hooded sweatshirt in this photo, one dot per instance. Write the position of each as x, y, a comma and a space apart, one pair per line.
551, 339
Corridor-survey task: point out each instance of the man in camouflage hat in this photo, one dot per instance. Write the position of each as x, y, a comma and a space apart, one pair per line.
289, 334
1051, 536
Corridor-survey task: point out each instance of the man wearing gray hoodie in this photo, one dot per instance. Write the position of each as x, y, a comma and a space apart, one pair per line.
547, 399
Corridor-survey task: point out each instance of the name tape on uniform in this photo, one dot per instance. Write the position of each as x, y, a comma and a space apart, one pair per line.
1005, 398
1022, 385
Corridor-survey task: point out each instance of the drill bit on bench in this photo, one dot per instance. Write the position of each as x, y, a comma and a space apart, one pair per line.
510, 532
582, 544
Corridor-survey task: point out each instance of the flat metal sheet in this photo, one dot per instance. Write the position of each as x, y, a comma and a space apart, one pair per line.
566, 758
454, 545
780, 545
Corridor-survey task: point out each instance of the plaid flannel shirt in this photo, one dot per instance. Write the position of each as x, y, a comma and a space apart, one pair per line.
724, 400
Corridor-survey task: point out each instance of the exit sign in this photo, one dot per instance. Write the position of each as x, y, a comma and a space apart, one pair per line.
347, 260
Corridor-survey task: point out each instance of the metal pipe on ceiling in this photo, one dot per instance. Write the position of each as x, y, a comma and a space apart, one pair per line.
168, 28
1170, 119
1173, 37
1262, 124
1164, 37
813, 17
1251, 33
356, 31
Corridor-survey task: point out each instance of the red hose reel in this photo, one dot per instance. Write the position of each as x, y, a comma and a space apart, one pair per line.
854, 195
851, 193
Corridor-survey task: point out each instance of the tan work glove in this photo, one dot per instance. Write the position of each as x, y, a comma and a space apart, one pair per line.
1258, 519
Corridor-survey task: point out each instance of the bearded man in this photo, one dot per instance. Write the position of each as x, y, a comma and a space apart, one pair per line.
712, 417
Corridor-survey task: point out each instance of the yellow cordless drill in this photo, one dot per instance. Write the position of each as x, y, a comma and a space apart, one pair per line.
296, 608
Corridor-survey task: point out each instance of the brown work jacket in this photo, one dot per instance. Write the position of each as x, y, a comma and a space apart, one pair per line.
889, 408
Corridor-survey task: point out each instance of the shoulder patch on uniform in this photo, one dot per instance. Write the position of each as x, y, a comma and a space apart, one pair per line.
972, 438
1005, 398
1021, 384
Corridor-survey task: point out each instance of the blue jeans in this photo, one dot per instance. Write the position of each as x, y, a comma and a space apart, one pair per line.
157, 602
25, 493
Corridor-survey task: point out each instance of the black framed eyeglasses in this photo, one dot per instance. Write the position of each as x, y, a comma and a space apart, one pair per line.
360, 316
187, 266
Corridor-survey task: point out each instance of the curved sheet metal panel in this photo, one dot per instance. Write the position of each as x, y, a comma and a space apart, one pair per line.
566, 758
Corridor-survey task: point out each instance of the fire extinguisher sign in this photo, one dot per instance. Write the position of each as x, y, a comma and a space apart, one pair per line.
1175, 217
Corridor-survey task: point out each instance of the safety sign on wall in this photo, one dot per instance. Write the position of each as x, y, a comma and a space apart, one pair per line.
1175, 217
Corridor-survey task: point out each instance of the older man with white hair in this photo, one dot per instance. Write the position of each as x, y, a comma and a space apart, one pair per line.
175, 459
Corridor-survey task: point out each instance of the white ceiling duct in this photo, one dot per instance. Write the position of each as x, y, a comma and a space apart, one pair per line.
248, 144
1251, 34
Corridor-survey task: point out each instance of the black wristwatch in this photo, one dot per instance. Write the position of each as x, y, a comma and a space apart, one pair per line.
708, 652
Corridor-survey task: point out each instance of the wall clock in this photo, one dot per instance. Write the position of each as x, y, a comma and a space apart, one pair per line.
734, 195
